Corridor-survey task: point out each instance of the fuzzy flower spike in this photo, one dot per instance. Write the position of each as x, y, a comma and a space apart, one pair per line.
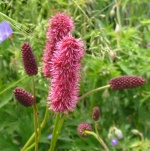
65, 75
59, 26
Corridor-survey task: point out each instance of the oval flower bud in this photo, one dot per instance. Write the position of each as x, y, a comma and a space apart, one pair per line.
24, 97
96, 113
29, 60
125, 82
135, 132
118, 132
82, 128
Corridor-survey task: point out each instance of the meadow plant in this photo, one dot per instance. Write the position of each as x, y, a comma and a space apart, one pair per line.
62, 58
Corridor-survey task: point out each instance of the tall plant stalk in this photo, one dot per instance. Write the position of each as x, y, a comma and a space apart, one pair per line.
35, 112
58, 123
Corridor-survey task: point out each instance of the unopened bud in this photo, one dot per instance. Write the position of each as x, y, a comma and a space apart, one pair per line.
24, 97
29, 60
135, 132
112, 12
125, 82
96, 113
118, 132
117, 29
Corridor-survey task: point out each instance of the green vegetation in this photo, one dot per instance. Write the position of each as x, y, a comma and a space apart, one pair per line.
116, 34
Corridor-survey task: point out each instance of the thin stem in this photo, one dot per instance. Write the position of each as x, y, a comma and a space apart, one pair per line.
53, 140
41, 126
12, 85
118, 12
94, 90
56, 131
60, 125
30, 147
35, 116
119, 22
98, 138
141, 135
35, 127
123, 149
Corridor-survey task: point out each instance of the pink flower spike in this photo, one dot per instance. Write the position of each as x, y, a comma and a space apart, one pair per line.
65, 75
59, 26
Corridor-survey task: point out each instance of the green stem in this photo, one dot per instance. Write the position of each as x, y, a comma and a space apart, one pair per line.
53, 140
12, 85
60, 125
98, 138
30, 147
35, 116
41, 127
118, 12
94, 90
92, 96
56, 131
119, 22
35, 127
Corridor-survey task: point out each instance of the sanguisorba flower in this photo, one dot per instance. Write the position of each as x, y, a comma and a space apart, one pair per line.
125, 82
65, 75
29, 60
82, 127
24, 97
96, 113
59, 26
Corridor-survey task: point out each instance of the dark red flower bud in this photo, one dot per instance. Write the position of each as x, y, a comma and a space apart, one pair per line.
24, 97
96, 113
125, 82
29, 60
82, 128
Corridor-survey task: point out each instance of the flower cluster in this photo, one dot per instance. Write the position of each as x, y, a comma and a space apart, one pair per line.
62, 57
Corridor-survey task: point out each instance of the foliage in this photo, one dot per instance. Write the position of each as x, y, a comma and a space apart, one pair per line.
109, 53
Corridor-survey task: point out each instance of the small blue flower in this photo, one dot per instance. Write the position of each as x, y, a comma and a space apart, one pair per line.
5, 31
148, 45
114, 142
49, 136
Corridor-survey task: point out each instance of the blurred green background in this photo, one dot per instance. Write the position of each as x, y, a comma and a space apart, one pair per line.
116, 34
